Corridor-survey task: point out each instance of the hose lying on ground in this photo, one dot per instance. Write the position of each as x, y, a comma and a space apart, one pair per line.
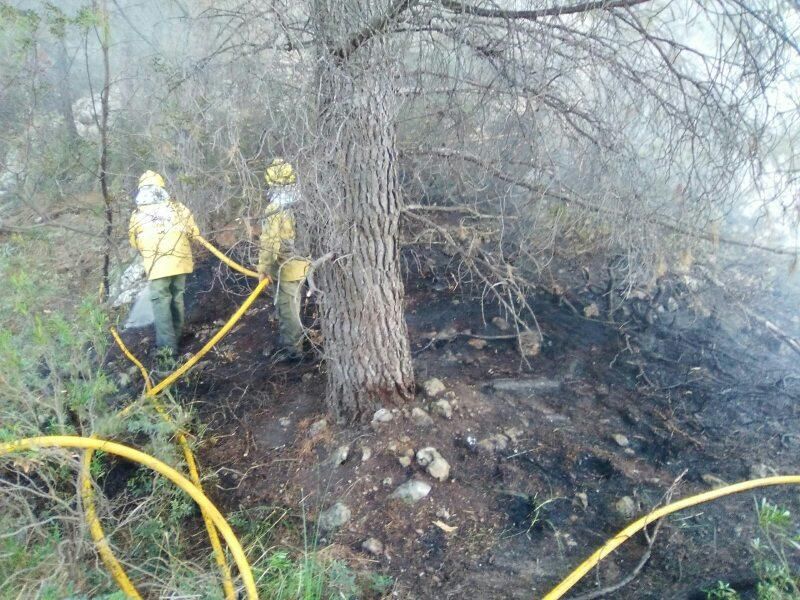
71, 441
219, 554
85, 483
184, 368
96, 530
626, 534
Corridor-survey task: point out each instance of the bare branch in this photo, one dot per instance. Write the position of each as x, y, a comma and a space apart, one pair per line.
532, 15
556, 195
377, 26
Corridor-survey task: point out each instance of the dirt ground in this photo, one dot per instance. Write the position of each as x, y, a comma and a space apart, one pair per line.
682, 384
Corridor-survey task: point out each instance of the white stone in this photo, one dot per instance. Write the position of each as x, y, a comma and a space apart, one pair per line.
713, 480
420, 417
433, 387
434, 463
442, 408
625, 507
382, 415
333, 518
340, 455
411, 491
372, 546
760, 471
621, 440
129, 285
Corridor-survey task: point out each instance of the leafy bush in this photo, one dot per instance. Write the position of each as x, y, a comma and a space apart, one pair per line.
53, 381
775, 557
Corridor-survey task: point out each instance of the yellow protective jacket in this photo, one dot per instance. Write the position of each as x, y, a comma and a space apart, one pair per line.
277, 257
161, 232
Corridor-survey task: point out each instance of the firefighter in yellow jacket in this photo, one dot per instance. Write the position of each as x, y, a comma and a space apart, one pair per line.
277, 258
161, 229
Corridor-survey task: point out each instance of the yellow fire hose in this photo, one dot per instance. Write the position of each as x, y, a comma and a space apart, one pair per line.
219, 554
181, 371
95, 528
97, 533
233, 265
624, 535
71, 441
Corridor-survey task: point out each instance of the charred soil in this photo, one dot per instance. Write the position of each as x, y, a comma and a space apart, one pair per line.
672, 385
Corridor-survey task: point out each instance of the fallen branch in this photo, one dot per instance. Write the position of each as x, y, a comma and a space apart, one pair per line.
775, 330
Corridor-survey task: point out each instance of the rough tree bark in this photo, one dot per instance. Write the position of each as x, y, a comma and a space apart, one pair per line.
104, 38
366, 339
64, 92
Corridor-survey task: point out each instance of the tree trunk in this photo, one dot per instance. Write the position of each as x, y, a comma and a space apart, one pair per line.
109, 213
367, 350
64, 92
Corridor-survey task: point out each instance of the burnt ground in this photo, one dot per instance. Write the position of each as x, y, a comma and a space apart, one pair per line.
696, 387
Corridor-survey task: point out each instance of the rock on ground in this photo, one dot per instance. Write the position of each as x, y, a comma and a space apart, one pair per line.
411, 491
513, 434
333, 518
372, 546
625, 507
530, 343
760, 471
420, 417
340, 455
130, 283
382, 415
442, 408
495, 443
621, 440
501, 324
434, 463
433, 387
317, 428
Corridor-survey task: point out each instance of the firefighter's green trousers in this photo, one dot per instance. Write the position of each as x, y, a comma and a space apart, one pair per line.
166, 296
289, 325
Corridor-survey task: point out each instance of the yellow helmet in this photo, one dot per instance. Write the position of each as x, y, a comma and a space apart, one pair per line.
151, 178
280, 172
